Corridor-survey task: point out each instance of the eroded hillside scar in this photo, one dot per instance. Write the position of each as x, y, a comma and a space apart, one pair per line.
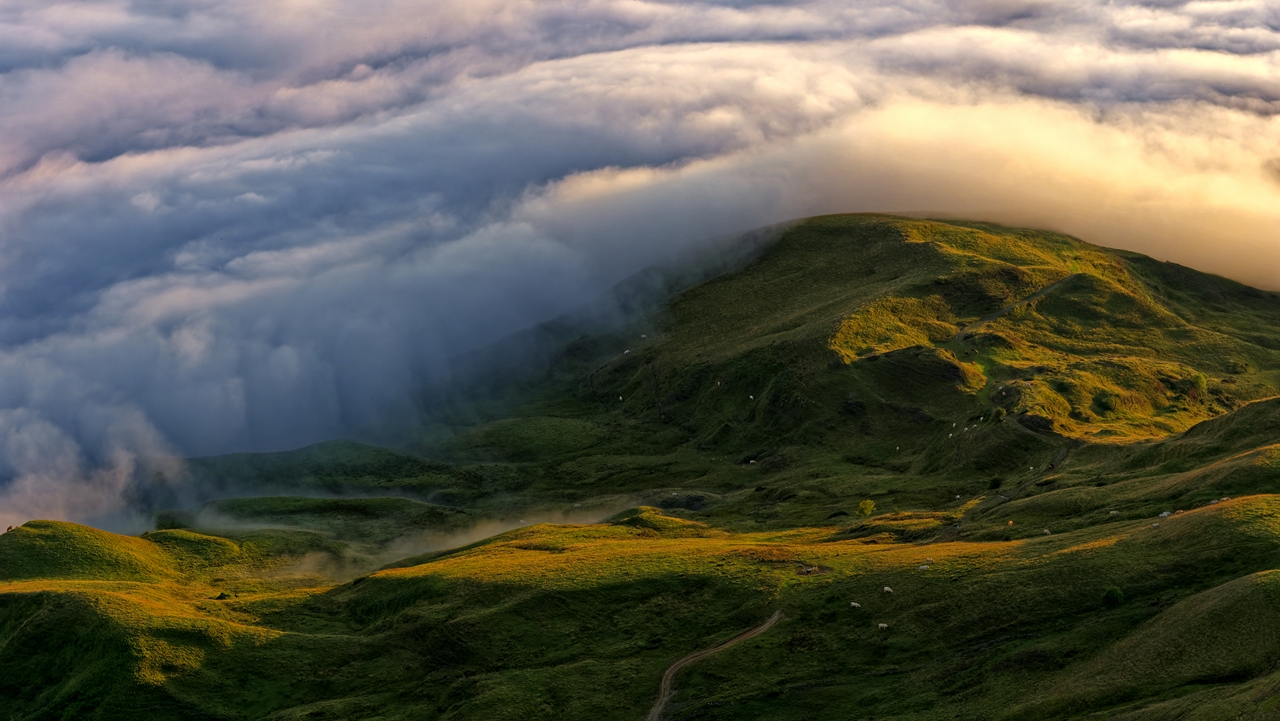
667, 689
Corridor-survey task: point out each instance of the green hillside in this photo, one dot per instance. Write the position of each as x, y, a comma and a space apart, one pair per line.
1064, 461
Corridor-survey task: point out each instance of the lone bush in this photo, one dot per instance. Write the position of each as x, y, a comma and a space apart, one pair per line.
1112, 597
866, 508
1106, 401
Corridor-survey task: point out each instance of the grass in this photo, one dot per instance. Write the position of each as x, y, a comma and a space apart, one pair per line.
1020, 407
372, 521
576, 621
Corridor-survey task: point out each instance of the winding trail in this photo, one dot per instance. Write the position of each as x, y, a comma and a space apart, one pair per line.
1034, 296
668, 678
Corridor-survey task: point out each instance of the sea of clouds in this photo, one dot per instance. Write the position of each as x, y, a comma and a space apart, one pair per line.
242, 225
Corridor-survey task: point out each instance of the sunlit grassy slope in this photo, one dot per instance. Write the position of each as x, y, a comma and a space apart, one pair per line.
1020, 406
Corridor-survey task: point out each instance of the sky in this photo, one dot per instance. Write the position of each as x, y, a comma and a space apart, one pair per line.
231, 225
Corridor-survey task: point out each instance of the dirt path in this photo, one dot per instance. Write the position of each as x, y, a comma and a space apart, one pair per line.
1047, 439
668, 678
987, 319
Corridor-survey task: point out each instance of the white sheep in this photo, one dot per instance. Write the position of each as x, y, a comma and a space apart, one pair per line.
1155, 525
1166, 514
855, 604
1226, 498
1114, 513
888, 590
884, 626
1046, 532
924, 568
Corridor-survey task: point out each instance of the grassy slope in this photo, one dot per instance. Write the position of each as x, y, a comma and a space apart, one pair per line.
828, 372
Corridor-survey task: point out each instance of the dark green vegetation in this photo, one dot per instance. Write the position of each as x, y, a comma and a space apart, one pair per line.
1021, 407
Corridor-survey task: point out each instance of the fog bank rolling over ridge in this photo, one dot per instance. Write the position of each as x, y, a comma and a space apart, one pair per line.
236, 226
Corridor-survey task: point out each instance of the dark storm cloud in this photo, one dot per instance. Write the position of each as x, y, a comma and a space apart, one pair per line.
232, 225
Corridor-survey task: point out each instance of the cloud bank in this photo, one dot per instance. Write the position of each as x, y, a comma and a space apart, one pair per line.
230, 225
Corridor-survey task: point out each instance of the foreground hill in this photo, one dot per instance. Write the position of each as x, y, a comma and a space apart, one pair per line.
1060, 458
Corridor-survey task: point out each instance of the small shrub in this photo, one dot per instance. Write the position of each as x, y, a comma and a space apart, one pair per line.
998, 415
1112, 597
1106, 401
995, 483
866, 508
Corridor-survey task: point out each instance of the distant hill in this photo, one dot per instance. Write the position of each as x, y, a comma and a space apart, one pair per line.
1063, 460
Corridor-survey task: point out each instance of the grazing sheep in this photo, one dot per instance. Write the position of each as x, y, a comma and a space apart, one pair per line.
924, 568
1226, 498
1046, 532
855, 604
1212, 502
1166, 514
1155, 525
888, 590
884, 626
928, 560
1114, 513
